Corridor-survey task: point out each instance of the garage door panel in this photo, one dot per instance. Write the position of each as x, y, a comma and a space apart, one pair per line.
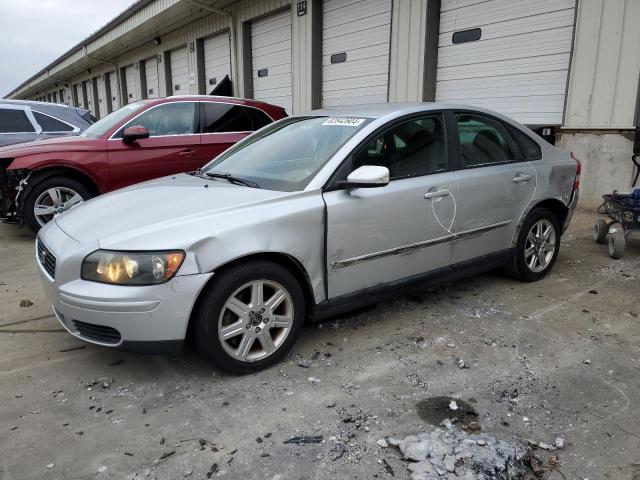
506, 67
113, 86
179, 65
520, 26
361, 29
509, 86
276, 70
102, 97
275, 50
275, 81
455, 4
217, 59
499, 11
151, 78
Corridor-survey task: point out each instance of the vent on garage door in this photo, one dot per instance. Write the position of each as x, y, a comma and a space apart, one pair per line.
271, 59
216, 61
516, 64
180, 73
151, 78
355, 51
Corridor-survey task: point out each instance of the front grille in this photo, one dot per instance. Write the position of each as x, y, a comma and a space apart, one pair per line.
47, 258
99, 333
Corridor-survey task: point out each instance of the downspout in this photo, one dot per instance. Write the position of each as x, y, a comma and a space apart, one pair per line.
117, 73
232, 28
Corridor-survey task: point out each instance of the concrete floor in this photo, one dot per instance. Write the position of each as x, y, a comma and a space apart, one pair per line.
72, 410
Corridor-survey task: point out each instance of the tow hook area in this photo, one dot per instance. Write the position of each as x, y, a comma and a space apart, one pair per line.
12, 186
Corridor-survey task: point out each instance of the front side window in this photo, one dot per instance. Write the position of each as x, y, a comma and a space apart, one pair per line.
483, 141
223, 117
412, 148
14, 121
286, 155
50, 124
111, 121
167, 119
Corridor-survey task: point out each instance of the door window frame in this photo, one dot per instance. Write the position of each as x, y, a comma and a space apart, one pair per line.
37, 129
203, 117
340, 172
456, 146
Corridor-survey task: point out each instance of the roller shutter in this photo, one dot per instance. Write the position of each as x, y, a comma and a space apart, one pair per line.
217, 60
132, 84
151, 77
102, 97
179, 61
519, 64
356, 38
113, 87
271, 59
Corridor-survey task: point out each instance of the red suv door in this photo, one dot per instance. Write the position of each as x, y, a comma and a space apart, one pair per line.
172, 146
224, 124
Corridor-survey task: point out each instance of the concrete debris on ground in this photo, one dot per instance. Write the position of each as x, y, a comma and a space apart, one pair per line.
448, 452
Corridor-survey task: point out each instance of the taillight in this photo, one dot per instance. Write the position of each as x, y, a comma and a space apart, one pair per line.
576, 181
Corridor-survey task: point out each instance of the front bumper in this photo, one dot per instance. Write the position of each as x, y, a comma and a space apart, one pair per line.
149, 319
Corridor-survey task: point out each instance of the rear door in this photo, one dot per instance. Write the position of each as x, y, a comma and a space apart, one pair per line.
16, 125
381, 235
496, 185
171, 147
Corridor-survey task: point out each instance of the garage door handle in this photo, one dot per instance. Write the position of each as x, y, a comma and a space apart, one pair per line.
521, 178
187, 153
436, 194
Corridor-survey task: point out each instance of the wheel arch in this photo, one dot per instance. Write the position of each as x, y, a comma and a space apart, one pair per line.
559, 209
43, 173
289, 262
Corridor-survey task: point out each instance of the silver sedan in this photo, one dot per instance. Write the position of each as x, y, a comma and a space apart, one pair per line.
311, 216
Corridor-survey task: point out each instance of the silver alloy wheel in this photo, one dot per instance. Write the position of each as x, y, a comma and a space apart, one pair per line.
54, 201
255, 320
540, 245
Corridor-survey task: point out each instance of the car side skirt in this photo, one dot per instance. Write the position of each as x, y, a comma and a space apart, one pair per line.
386, 291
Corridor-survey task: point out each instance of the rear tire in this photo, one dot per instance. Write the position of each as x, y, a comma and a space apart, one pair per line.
250, 316
617, 241
537, 246
57, 194
600, 231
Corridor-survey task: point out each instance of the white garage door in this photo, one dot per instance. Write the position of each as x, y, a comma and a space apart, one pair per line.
102, 97
151, 77
113, 86
355, 51
131, 84
89, 100
179, 60
519, 64
271, 59
217, 60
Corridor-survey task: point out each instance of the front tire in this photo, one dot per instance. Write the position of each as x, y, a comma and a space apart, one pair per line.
617, 241
537, 246
600, 231
49, 198
250, 316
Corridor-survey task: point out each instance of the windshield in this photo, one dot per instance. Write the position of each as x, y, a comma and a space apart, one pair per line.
101, 127
286, 155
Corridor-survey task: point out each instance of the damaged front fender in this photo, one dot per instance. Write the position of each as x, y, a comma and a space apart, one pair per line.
12, 185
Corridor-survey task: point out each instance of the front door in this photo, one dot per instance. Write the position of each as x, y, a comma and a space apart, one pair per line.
172, 146
379, 235
496, 186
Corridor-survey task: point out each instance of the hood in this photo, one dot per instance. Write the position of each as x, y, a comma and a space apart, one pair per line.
162, 205
68, 142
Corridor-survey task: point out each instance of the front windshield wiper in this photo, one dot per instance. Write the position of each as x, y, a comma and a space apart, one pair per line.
231, 179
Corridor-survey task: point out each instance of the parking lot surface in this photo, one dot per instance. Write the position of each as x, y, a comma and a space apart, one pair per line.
554, 358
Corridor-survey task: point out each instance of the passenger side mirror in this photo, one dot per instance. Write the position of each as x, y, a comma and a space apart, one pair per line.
368, 176
137, 132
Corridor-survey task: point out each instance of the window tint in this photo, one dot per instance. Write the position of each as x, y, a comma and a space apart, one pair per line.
221, 117
412, 148
530, 149
50, 124
483, 140
14, 121
167, 119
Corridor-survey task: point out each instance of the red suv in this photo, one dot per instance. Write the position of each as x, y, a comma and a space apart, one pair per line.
142, 140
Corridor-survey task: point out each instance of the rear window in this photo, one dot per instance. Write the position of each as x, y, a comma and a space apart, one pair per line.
530, 149
14, 121
50, 124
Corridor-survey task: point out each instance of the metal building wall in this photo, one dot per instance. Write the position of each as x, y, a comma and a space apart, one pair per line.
606, 64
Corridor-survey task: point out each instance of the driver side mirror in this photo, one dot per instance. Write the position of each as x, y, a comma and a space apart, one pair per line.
137, 132
368, 176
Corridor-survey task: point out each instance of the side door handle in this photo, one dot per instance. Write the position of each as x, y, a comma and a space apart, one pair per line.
186, 152
521, 178
436, 194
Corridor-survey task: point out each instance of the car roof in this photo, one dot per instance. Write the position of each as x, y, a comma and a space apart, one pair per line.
40, 105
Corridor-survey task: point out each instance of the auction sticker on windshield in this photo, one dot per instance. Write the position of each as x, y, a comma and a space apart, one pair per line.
344, 121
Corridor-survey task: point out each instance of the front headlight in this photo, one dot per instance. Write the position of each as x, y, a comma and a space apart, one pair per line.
131, 268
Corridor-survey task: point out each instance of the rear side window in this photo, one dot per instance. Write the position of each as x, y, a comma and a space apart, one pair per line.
260, 119
484, 141
50, 124
222, 117
530, 149
14, 121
